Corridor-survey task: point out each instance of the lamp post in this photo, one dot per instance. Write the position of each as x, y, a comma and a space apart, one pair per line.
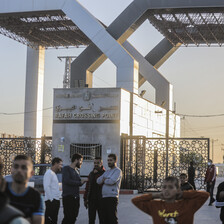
166, 137
167, 140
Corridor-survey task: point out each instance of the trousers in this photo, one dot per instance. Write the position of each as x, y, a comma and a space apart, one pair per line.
109, 210
71, 206
51, 212
210, 189
95, 206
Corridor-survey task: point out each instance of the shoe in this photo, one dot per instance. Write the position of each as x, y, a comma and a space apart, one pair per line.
211, 201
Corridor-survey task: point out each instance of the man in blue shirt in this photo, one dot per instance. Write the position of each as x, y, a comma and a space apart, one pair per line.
26, 199
71, 182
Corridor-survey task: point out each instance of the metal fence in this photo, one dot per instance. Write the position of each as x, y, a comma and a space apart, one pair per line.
146, 162
39, 149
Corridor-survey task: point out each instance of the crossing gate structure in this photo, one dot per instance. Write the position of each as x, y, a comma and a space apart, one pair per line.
146, 162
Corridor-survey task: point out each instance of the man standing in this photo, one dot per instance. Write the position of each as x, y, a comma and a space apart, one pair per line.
111, 181
26, 199
191, 174
184, 184
52, 192
210, 178
93, 192
70, 185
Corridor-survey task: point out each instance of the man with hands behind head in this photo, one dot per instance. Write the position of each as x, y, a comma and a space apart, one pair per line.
171, 205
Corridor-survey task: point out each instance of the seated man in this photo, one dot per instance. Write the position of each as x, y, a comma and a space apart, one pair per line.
185, 185
26, 199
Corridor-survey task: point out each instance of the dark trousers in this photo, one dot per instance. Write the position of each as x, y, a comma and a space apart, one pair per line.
95, 206
71, 209
109, 209
51, 212
210, 189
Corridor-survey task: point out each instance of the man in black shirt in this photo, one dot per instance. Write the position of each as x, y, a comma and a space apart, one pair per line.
8, 214
26, 199
70, 185
93, 192
185, 186
191, 175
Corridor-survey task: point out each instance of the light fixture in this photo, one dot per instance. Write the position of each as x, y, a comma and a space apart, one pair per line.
142, 93
163, 103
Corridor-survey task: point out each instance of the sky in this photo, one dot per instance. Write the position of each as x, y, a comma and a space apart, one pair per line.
196, 74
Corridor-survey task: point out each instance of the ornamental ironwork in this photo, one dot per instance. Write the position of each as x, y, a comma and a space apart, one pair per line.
39, 149
146, 162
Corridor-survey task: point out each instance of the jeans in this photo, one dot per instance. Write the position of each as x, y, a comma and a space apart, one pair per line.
51, 212
109, 209
95, 206
71, 209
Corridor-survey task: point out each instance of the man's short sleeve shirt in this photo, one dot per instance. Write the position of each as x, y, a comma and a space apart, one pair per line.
29, 202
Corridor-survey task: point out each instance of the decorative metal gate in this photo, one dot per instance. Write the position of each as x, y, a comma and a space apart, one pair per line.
146, 162
39, 149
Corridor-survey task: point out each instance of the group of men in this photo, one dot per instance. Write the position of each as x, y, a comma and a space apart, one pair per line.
187, 182
101, 192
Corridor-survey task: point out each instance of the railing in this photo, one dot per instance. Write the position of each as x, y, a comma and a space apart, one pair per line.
39, 149
145, 163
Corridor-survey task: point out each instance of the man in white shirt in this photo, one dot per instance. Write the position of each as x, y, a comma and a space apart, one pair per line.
52, 192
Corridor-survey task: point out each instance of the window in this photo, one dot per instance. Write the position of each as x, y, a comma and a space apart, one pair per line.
88, 151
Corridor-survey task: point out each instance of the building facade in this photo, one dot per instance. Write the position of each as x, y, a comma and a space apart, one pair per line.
91, 122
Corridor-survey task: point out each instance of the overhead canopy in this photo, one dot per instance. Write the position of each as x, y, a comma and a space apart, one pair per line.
48, 29
43, 22
190, 25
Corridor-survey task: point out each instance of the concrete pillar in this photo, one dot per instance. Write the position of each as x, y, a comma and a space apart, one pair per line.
34, 92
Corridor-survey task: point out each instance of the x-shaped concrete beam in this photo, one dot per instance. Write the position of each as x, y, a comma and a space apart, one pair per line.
125, 24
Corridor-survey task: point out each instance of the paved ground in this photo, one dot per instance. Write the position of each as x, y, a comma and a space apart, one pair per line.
129, 214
